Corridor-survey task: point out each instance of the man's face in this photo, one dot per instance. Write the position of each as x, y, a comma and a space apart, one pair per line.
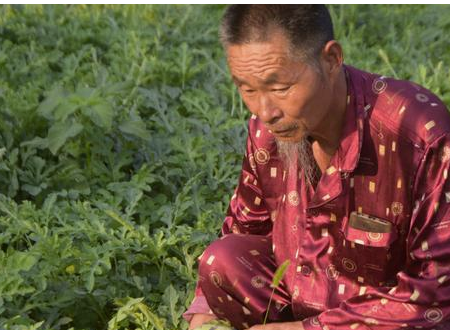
290, 97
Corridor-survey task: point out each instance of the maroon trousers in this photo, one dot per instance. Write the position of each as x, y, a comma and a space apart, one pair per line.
235, 274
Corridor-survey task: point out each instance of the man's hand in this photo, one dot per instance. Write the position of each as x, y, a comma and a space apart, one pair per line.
296, 325
199, 319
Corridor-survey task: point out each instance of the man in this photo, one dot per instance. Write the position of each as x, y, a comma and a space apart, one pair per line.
345, 175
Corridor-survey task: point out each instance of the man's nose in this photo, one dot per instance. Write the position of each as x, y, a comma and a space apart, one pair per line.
268, 112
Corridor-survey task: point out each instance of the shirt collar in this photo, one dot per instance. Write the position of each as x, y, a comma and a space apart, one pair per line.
346, 158
351, 139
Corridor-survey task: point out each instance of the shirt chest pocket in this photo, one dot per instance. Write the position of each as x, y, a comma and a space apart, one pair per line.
364, 255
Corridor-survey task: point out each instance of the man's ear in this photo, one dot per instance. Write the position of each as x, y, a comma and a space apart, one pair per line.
332, 57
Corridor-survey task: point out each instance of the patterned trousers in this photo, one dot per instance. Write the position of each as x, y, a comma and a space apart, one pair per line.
235, 273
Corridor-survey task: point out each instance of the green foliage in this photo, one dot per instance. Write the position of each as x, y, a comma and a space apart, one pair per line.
215, 324
121, 139
117, 159
133, 312
277, 277
279, 273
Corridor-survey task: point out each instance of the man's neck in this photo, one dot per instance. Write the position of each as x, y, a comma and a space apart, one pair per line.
326, 141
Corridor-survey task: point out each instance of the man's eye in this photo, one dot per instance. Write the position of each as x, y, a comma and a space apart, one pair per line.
248, 91
281, 89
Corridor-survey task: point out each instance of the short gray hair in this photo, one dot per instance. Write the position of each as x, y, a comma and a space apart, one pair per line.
307, 27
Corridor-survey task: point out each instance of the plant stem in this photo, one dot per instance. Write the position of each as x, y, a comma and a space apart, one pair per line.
268, 307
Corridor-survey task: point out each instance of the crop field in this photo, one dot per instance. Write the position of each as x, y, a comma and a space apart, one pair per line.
121, 140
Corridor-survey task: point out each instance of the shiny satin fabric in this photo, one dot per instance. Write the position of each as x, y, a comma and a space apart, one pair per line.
392, 164
236, 272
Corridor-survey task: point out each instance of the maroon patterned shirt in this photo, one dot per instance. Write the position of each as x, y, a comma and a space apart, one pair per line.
392, 164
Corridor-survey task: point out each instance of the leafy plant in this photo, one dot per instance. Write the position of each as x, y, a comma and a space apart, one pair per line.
277, 277
121, 140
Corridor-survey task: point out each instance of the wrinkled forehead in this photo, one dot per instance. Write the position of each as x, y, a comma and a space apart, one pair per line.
249, 61
275, 47
264, 60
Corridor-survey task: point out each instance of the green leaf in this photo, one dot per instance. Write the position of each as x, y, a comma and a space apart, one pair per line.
60, 132
63, 321
215, 325
136, 128
21, 261
118, 219
53, 99
135, 311
49, 202
118, 88
65, 109
84, 93
279, 273
171, 297
13, 184
37, 142
31, 189
101, 114
150, 316
385, 58
2, 152
90, 281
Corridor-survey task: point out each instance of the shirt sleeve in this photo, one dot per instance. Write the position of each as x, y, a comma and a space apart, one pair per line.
199, 305
247, 212
421, 298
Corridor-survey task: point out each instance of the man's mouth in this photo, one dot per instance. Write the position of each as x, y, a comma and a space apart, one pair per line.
284, 132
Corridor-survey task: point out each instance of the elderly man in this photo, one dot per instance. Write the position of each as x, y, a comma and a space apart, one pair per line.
345, 175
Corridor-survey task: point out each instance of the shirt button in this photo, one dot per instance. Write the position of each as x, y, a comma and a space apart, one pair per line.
314, 212
306, 270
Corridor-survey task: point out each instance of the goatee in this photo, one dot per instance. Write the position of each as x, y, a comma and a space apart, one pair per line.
299, 154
